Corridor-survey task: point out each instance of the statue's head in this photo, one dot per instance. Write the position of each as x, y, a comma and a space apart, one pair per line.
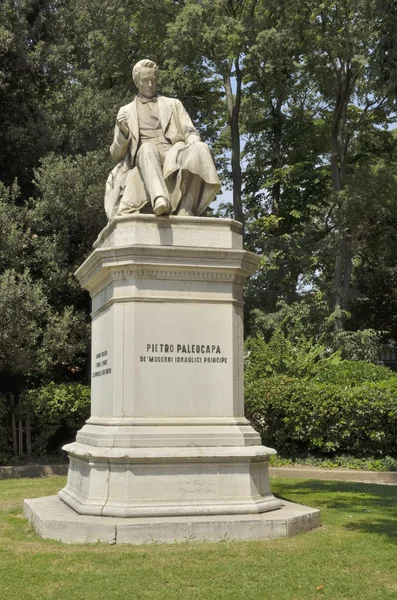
144, 75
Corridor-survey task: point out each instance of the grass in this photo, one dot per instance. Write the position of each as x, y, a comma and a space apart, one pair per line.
352, 556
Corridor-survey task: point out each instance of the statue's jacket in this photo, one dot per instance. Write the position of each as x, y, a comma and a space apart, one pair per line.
125, 191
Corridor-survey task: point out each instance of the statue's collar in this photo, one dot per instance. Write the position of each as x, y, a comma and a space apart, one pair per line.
145, 100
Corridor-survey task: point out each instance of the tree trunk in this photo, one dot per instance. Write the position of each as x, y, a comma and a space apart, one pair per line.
343, 264
276, 154
236, 170
348, 268
338, 279
13, 427
20, 429
28, 437
233, 110
342, 278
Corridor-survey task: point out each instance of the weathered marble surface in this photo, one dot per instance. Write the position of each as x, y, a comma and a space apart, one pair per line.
53, 519
167, 433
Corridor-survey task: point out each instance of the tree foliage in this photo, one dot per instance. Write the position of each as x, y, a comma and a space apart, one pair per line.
296, 99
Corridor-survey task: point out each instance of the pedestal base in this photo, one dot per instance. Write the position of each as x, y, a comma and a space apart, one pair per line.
52, 519
168, 482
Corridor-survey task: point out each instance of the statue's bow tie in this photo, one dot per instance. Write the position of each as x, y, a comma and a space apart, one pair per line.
145, 100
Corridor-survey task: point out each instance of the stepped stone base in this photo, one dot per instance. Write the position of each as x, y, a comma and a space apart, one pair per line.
53, 519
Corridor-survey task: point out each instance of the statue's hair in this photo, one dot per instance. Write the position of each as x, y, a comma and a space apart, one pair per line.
140, 65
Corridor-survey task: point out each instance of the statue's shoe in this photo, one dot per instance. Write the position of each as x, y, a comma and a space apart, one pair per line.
161, 207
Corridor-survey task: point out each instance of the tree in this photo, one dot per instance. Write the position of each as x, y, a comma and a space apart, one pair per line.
341, 61
40, 338
213, 37
300, 93
318, 72
28, 28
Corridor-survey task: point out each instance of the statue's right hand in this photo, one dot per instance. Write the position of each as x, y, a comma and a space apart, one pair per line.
122, 123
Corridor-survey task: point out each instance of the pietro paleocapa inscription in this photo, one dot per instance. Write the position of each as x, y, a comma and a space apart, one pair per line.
162, 164
183, 353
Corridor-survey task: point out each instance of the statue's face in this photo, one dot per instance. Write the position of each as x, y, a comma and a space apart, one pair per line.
147, 82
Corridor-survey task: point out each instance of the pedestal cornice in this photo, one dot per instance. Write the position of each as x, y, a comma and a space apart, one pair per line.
176, 263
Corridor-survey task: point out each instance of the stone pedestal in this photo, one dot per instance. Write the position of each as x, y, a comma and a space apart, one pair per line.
167, 442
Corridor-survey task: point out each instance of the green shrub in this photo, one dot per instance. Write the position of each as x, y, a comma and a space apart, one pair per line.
57, 412
387, 463
351, 372
282, 356
304, 400
306, 416
363, 345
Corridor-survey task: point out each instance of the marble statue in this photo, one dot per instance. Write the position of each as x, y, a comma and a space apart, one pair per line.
162, 165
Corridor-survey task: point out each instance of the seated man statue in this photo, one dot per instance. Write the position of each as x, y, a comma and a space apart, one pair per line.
162, 165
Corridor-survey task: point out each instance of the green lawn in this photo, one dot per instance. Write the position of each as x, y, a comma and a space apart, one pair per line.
352, 556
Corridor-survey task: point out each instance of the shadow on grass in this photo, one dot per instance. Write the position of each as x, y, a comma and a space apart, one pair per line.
381, 527
375, 505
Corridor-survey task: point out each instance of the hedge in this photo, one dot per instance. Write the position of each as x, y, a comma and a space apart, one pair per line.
300, 416
353, 372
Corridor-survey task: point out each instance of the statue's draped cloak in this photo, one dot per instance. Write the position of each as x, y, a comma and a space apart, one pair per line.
189, 169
